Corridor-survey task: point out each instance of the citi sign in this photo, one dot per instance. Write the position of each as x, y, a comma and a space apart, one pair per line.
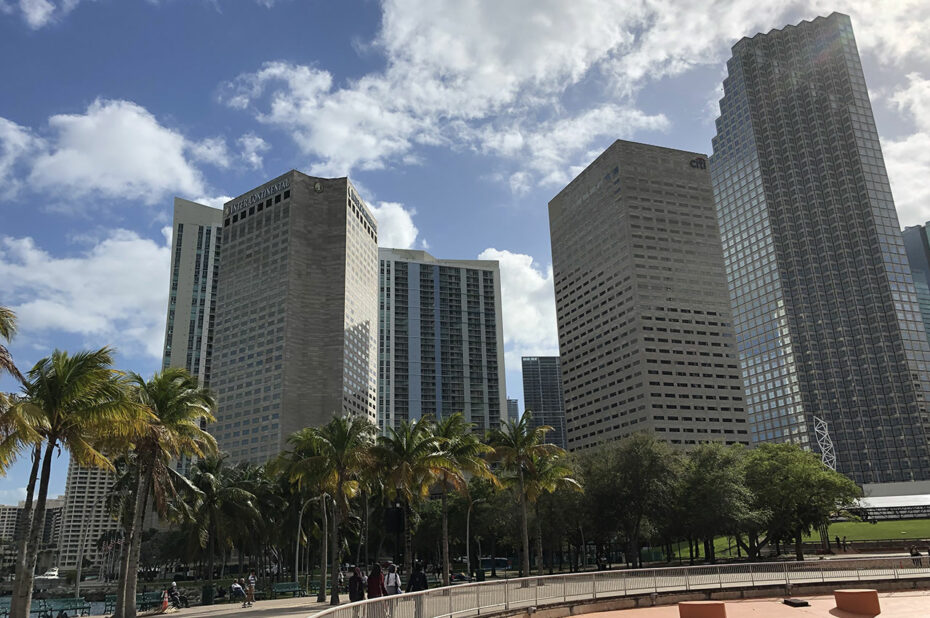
698, 163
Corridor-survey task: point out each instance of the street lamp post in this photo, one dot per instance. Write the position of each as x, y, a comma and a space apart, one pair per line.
321, 596
468, 535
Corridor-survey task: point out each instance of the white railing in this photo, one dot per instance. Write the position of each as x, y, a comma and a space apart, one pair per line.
468, 600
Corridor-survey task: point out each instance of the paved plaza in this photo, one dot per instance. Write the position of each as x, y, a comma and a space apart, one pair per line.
910, 604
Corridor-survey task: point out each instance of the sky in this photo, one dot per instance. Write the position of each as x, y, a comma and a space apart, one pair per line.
457, 121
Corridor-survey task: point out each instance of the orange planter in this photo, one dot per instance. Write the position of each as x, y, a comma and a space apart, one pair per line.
702, 609
858, 601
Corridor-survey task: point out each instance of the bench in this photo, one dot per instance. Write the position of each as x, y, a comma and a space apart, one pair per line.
109, 604
702, 609
293, 588
71, 606
149, 600
858, 601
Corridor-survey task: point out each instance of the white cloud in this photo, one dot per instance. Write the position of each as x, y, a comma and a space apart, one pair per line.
212, 150
460, 76
40, 13
908, 158
13, 495
115, 149
395, 225
528, 306
252, 147
115, 292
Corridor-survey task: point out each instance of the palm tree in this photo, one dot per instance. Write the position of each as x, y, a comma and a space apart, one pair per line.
177, 405
547, 474
7, 330
517, 446
222, 504
85, 410
465, 453
411, 458
336, 453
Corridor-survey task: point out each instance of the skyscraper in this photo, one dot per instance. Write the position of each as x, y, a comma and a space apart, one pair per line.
296, 313
84, 514
542, 394
824, 306
645, 336
513, 409
917, 246
441, 339
195, 252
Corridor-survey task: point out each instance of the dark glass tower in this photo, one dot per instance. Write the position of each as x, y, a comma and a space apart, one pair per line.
824, 306
542, 394
917, 245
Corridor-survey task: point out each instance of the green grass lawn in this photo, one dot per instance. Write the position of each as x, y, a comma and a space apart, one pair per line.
864, 531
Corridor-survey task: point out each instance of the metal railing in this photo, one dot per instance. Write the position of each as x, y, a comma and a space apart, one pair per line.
477, 599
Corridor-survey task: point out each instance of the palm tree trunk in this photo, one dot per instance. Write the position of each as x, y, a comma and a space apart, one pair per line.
211, 548
25, 519
321, 595
334, 546
446, 566
408, 539
525, 561
539, 544
123, 576
22, 601
135, 544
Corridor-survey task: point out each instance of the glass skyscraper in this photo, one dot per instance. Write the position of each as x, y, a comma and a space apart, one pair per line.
917, 245
826, 315
542, 396
441, 339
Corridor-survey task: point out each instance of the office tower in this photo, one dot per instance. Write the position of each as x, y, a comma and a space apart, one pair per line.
441, 339
84, 515
513, 409
195, 253
295, 339
645, 337
542, 394
827, 319
917, 246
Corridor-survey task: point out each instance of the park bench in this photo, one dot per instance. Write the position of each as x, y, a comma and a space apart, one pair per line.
109, 604
149, 600
294, 588
71, 606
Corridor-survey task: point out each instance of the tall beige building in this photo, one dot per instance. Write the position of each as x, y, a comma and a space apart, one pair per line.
84, 516
645, 333
295, 339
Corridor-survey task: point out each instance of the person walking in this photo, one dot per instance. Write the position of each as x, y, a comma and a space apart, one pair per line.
417, 579
376, 582
244, 589
392, 581
250, 596
839, 545
845, 544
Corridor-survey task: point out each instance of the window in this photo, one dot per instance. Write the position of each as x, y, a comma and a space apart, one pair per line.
277, 198
287, 194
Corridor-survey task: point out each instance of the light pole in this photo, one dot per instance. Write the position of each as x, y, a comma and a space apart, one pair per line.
468, 535
321, 596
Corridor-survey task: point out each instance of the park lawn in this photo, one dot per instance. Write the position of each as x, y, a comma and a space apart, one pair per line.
865, 531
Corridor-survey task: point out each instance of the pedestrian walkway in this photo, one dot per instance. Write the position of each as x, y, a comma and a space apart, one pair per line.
300, 606
910, 604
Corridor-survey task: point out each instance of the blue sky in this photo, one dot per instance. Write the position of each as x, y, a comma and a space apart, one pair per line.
457, 121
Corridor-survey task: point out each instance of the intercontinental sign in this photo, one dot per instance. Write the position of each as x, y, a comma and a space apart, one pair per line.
257, 196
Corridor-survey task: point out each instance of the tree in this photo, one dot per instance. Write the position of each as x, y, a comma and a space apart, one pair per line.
411, 459
222, 503
796, 490
7, 330
547, 474
517, 446
85, 410
177, 405
465, 454
337, 452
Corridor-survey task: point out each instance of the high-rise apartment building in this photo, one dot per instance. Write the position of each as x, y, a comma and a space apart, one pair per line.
295, 337
542, 396
917, 246
645, 334
513, 409
441, 339
824, 306
84, 514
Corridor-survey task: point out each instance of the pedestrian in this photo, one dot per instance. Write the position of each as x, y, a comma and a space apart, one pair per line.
839, 544
915, 555
417, 579
392, 582
245, 592
376, 582
845, 544
356, 586
236, 593
253, 580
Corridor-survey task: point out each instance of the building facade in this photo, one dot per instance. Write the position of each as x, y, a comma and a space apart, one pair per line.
917, 246
513, 409
542, 394
645, 334
84, 516
295, 339
826, 315
441, 339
